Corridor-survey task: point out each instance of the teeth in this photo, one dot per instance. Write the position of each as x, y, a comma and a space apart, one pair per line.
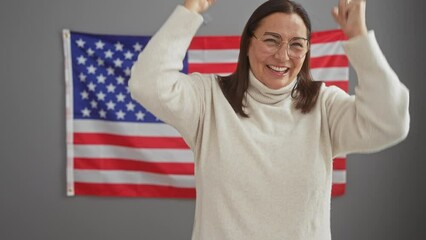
278, 69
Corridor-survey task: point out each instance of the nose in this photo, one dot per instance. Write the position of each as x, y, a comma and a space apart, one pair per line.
282, 52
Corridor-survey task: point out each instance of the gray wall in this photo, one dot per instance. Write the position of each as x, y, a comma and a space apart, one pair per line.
386, 191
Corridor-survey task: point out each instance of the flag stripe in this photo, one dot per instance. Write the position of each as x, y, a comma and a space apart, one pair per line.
339, 176
133, 177
328, 36
213, 56
231, 56
130, 141
149, 155
125, 128
214, 42
132, 190
338, 189
329, 61
339, 163
131, 165
212, 67
326, 49
317, 62
330, 74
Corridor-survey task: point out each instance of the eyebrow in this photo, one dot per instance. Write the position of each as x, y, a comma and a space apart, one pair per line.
279, 36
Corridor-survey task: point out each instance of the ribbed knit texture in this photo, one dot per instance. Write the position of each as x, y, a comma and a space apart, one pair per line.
269, 176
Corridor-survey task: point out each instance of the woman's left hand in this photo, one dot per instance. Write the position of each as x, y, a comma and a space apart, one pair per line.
350, 15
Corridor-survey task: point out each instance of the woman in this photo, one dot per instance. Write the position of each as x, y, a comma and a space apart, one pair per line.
264, 137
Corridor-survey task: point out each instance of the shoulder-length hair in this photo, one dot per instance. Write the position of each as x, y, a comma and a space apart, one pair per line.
234, 86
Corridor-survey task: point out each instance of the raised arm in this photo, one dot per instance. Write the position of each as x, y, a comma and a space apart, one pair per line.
377, 116
156, 81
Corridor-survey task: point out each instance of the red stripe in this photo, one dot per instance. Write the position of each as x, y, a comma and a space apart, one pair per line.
131, 165
212, 67
215, 42
344, 84
330, 61
339, 164
328, 36
130, 141
338, 189
132, 190
233, 42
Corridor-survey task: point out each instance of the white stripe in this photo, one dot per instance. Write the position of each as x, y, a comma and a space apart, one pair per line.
231, 56
339, 176
330, 74
149, 155
66, 37
213, 56
130, 177
125, 128
326, 49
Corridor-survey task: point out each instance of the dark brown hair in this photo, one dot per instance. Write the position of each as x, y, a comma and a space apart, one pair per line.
234, 86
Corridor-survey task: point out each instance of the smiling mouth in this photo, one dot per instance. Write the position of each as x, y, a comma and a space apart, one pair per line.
282, 70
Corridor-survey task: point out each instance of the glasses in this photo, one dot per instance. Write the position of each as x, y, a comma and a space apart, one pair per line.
297, 47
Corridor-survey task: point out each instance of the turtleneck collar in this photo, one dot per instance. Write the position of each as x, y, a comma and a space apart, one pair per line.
263, 94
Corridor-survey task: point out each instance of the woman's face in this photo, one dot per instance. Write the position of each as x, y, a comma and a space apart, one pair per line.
276, 70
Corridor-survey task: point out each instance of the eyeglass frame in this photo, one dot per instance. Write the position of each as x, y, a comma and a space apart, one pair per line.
282, 43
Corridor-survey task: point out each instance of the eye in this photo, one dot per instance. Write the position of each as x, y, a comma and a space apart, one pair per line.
270, 41
297, 44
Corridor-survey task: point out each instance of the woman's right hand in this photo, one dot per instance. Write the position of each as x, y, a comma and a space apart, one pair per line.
198, 6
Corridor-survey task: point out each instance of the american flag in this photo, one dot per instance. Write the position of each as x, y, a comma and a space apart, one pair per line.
115, 147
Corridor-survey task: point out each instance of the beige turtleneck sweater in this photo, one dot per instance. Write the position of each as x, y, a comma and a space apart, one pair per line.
268, 176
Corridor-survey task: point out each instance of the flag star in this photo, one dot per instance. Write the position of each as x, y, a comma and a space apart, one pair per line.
118, 46
101, 78
102, 113
110, 71
137, 47
82, 77
127, 89
100, 62
81, 60
127, 71
120, 114
120, 97
80, 43
100, 44
90, 52
128, 55
140, 115
85, 112
91, 69
111, 88
91, 86
120, 80
118, 62
110, 105
94, 104
101, 96
108, 54
84, 95
130, 106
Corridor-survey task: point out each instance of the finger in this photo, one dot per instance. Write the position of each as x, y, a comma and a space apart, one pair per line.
335, 13
342, 10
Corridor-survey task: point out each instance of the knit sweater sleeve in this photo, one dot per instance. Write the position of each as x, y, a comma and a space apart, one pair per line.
156, 81
377, 116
